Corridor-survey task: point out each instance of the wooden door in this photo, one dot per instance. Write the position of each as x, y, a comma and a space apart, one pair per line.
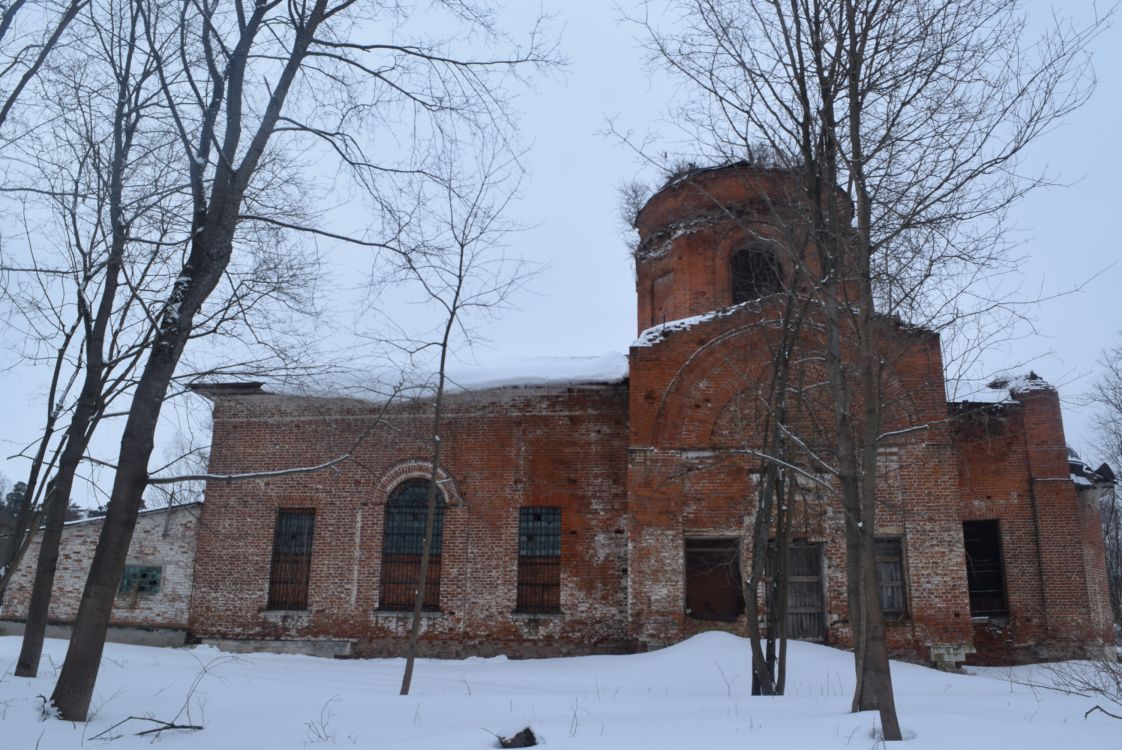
806, 610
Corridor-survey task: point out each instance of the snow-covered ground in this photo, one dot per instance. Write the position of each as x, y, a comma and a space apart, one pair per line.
693, 695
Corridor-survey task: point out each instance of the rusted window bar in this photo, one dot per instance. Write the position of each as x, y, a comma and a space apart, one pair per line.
292, 559
539, 560
401, 547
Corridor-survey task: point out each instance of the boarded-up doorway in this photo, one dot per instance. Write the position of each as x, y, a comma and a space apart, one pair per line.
806, 611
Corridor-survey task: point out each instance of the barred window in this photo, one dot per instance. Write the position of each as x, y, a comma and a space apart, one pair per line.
141, 579
755, 273
713, 589
402, 542
539, 560
890, 576
292, 559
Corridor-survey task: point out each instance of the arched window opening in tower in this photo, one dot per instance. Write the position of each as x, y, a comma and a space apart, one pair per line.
755, 274
401, 547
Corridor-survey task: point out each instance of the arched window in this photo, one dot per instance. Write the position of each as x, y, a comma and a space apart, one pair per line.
755, 274
401, 546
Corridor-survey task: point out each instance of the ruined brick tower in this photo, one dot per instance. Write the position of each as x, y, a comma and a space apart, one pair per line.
964, 565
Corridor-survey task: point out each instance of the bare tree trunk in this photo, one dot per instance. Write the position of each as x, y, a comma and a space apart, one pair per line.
215, 221
97, 323
430, 501
75, 685
35, 628
430, 519
763, 677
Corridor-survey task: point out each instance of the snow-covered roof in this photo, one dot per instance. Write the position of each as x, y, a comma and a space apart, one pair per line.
611, 367
1029, 381
657, 333
510, 372
1083, 475
101, 515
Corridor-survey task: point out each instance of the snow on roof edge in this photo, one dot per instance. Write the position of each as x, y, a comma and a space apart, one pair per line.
657, 333
511, 372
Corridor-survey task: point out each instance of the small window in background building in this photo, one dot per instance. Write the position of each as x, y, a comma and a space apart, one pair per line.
755, 273
539, 560
890, 576
713, 590
985, 575
141, 579
292, 559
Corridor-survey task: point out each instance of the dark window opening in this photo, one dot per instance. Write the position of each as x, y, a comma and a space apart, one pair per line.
755, 274
539, 560
890, 576
402, 542
141, 579
713, 590
985, 576
292, 559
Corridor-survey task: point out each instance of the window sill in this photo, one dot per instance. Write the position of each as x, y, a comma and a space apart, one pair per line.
288, 616
537, 615
396, 613
711, 618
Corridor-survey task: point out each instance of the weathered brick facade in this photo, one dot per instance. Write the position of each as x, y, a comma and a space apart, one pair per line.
163, 539
641, 466
504, 449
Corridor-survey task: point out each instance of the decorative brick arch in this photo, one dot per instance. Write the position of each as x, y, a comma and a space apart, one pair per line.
720, 378
416, 469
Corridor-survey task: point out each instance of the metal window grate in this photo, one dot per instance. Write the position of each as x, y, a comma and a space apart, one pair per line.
539, 560
402, 543
890, 576
292, 559
141, 579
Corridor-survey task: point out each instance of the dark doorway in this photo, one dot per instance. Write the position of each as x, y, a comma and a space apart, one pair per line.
985, 575
713, 590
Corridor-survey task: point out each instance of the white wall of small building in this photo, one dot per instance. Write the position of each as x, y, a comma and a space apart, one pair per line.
163, 537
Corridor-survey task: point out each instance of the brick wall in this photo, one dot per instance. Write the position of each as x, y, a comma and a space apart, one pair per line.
503, 449
1013, 469
689, 475
162, 538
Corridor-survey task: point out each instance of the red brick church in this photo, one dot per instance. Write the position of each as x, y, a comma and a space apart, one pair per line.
603, 509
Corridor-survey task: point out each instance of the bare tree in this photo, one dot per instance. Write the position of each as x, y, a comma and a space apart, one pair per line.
111, 196
1108, 423
460, 264
29, 33
235, 82
903, 122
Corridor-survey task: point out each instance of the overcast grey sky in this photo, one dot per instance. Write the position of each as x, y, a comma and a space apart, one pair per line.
583, 302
